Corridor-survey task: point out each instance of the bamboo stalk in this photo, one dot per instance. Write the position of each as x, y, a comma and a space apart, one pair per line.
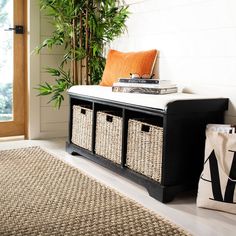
90, 56
75, 64
86, 44
81, 45
72, 62
90, 50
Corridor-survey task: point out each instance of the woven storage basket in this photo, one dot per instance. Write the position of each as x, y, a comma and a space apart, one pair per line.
109, 136
82, 127
144, 150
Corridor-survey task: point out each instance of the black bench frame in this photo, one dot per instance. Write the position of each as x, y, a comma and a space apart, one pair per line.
184, 123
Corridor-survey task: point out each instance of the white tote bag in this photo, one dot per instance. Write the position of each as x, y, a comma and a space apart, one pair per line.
217, 184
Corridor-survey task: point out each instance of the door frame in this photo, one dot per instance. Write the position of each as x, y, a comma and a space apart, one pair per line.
18, 126
26, 107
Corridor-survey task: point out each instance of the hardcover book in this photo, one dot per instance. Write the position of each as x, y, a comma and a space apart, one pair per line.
144, 90
145, 85
141, 81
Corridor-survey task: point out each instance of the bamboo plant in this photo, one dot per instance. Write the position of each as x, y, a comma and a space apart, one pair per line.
84, 28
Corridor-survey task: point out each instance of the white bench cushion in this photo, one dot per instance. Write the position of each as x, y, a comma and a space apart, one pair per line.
147, 100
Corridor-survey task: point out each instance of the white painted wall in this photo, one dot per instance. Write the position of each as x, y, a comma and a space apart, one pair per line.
44, 120
53, 122
196, 40
33, 69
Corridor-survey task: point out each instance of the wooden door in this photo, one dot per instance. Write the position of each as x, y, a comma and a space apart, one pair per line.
12, 68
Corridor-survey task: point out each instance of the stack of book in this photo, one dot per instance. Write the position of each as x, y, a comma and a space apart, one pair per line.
147, 86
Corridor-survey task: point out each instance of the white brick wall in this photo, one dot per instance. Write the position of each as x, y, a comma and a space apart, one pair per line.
196, 40
197, 44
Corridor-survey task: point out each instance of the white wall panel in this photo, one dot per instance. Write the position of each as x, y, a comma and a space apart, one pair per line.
55, 127
53, 122
50, 61
196, 40
215, 71
33, 69
50, 115
187, 16
46, 27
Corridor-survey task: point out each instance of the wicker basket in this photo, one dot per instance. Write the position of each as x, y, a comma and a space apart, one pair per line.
82, 127
144, 150
109, 136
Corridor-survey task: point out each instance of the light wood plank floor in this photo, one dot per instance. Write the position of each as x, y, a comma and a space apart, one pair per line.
182, 211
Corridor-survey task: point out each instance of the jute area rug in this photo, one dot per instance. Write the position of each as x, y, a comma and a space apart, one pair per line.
41, 195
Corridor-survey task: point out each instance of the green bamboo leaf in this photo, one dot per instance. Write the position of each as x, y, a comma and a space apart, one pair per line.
106, 21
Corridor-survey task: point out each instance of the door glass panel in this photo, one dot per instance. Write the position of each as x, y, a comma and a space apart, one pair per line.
6, 60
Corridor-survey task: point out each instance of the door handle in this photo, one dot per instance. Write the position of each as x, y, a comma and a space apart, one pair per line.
19, 29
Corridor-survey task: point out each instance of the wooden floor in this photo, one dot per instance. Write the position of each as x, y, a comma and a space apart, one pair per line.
182, 211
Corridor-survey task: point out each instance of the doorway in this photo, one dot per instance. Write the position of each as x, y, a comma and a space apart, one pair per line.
12, 68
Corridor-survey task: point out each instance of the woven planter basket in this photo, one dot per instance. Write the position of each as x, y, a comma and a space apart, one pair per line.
109, 136
82, 127
144, 150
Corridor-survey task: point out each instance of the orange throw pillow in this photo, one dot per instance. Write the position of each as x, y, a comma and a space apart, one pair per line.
120, 65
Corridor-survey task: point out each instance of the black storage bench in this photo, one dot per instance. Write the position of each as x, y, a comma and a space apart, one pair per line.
156, 141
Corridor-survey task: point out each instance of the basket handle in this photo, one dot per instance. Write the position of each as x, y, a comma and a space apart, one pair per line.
109, 118
83, 111
145, 128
